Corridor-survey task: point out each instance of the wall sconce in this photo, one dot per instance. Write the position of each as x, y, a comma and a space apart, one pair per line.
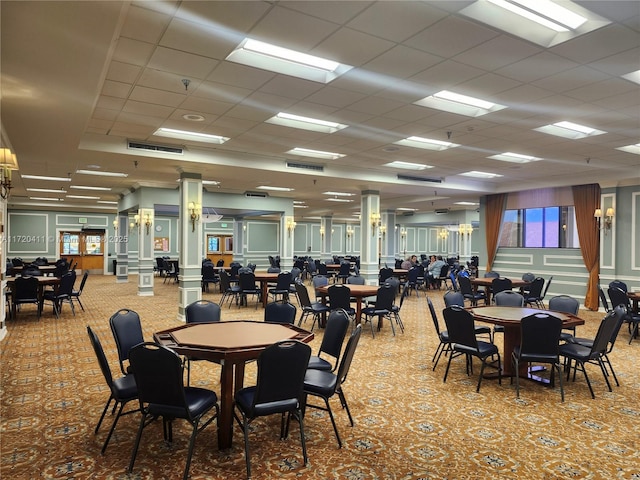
604, 223
322, 232
291, 225
383, 230
136, 222
350, 231
147, 223
465, 229
375, 221
6, 159
194, 214
115, 225
443, 234
403, 232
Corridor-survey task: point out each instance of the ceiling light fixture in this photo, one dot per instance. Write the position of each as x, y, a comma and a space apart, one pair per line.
569, 130
632, 76
270, 57
43, 177
86, 187
630, 148
101, 173
83, 197
426, 143
315, 153
339, 194
45, 190
477, 174
344, 200
407, 165
514, 157
461, 104
187, 135
275, 189
543, 12
47, 199
305, 123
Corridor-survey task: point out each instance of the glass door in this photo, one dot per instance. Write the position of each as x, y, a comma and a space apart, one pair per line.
84, 249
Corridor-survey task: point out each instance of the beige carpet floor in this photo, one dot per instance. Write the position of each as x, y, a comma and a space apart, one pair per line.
408, 423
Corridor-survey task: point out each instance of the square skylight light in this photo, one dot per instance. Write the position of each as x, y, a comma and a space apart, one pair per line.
407, 165
101, 173
569, 130
544, 22
305, 123
288, 62
514, 157
476, 174
315, 153
275, 189
628, 148
427, 143
461, 104
193, 136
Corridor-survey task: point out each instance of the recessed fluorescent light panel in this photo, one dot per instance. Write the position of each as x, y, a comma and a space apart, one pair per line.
466, 203
569, 130
101, 173
193, 136
46, 190
628, 148
407, 165
544, 22
300, 206
275, 189
110, 202
339, 194
86, 187
476, 174
514, 157
460, 104
427, 143
42, 177
83, 197
47, 199
305, 123
288, 62
345, 200
633, 76
406, 209
305, 152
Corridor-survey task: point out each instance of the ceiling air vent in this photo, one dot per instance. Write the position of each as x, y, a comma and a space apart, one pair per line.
256, 194
411, 178
306, 166
149, 147
442, 211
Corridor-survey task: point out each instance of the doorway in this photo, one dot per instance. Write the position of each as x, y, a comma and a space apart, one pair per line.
220, 247
84, 249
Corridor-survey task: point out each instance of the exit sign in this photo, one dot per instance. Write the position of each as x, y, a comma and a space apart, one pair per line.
82, 220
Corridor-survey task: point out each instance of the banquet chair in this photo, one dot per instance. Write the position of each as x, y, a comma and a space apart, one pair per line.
619, 284
127, 333
25, 291
344, 272
340, 297
319, 281
325, 384
462, 335
619, 313
229, 292
535, 296
500, 284
332, 340
281, 289
581, 355
121, 390
248, 286
507, 298
565, 304
491, 274
277, 312
315, 309
279, 389
619, 297
61, 294
200, 311
445, 344
603, 299
539, 343
209, 276
382, 309
383, 274
544, 292
158, 373
75, 294
467, 291
452, 298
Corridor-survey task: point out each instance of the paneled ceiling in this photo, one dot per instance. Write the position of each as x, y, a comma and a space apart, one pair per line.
81, 79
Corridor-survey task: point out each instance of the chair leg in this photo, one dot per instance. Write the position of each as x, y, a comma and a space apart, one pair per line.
192, 443
113, 427
333, 422
134, 452
245, 426
104, 412
305, 458
343, 402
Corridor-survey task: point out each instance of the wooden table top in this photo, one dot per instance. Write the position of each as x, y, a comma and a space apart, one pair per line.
487, 282
513, 315
356, 290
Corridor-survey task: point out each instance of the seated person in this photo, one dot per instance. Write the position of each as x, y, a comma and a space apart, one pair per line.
409, 262
433, 270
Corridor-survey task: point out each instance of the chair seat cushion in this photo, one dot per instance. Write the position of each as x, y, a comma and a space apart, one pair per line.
485, 349
317, 363
244, 400
320, 382
483, 329
574, 350
534, 357
125, 387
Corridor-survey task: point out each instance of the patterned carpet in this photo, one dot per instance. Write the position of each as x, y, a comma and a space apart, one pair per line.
408, 423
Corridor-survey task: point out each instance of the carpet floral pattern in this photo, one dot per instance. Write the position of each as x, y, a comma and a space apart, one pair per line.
408, 423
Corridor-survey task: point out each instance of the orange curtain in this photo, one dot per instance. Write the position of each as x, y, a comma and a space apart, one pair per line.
586, 198
494, 211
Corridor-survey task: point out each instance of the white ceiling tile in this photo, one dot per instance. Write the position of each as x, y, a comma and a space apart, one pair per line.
335, 97
182, 63
144, 24
147, 109
351, 47
201, 105
570, 79
596, 45
497, 53
123, 72
402, 61
158, 97
606, 89
110, 103
291, 87
374, 105
133, 52
199, 39
220, 92
223, 15
240, 75
536, 67
446, 74
332, 11
116, 89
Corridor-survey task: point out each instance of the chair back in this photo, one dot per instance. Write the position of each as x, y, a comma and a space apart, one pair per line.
491, 274
202, 311
500, 284
158, 371
295, 274
535, 288
225, 282
339, 296
618, 297
453, 298
540, 336
66, 283
444, 271
209, 272
546, 288
278, 312
283, 281
564, 303
619, 284
345, 268
220, 263
385, 297
25, 289
355, 280
393, 281
17, 262
528, 277
509, 298
303, 295
322, 269
412, 275
31, 270
465, 286
605, 332
247, 281
127, 332
460, 326
347, 357
319, 281
280, 379
454, 282
434, 317
384, 274
102, 358
334, 333
85, 275
619, 312
603, 299
311, 267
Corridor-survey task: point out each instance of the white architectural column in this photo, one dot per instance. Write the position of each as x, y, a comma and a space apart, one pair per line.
122, 249
287, 227
191, 241
326, 225
239, 239
370, 222
388, 238
145, 252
